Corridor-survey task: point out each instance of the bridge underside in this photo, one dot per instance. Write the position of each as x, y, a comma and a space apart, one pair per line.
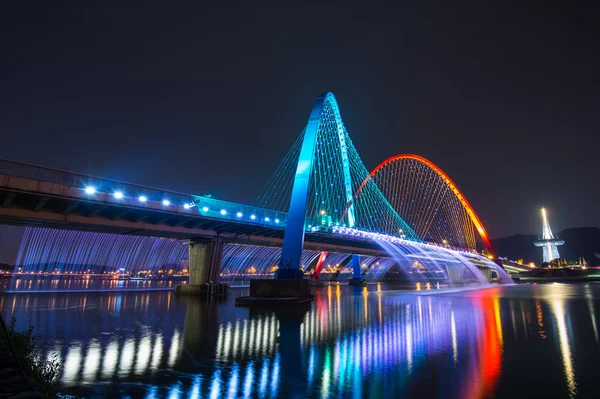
26, 208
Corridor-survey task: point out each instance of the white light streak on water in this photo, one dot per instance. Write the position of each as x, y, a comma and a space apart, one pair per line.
195, 389
72, 364
233, 381
264, 375
227, 342
336, 359
175, 391
215, 386
152, 393
259, 333
111, 357
244, 349
143, 355
589, 298
219, 353
565, 347
252, 333
174, 349
157, 352
236, 339
265, 336
92, 361
275, 376
454, 340
127, 357
248, 381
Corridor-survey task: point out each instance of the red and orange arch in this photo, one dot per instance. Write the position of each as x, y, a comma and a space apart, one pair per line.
459, 195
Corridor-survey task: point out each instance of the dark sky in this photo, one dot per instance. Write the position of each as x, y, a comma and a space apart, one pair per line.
207, 97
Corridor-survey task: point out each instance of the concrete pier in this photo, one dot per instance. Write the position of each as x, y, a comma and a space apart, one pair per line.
204, 263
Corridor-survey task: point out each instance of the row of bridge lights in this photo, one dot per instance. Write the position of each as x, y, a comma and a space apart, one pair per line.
119, 195
142, 198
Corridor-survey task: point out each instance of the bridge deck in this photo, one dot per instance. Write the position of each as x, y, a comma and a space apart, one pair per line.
31, 202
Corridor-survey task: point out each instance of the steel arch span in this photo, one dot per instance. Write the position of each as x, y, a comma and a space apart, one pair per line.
315, 184
428, 200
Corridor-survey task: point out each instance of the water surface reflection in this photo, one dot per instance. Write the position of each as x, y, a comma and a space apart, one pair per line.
517, 341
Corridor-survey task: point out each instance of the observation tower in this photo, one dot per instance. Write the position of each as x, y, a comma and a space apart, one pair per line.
548, 243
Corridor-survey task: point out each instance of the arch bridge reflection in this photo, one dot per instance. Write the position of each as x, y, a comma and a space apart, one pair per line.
364, 342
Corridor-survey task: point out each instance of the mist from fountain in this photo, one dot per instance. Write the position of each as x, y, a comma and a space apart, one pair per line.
503, 276
240, 263
420, 262
66, 251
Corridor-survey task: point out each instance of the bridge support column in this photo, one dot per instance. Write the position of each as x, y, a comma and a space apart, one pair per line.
204, 264
356, 272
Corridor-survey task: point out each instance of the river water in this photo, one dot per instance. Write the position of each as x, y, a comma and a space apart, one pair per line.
518, 341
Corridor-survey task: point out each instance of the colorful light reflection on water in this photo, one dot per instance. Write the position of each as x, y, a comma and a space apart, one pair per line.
352, 342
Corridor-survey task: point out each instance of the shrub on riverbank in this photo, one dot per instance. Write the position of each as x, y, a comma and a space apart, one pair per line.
43, 374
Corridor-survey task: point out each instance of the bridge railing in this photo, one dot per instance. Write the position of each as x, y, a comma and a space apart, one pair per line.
99, 184
204, 205
216, 208
29, 171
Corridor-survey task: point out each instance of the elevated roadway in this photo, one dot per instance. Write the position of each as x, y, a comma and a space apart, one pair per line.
35, 196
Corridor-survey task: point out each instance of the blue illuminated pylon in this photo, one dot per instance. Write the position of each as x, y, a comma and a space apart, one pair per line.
318, 179
293, 241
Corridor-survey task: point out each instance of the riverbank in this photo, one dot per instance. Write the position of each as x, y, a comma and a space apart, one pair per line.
566, 275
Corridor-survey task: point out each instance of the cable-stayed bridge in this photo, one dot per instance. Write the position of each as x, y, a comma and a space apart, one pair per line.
320, 198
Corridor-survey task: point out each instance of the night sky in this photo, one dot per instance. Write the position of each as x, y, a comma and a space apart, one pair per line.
207, 97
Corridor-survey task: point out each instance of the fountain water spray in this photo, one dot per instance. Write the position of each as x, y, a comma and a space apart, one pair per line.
421, 261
